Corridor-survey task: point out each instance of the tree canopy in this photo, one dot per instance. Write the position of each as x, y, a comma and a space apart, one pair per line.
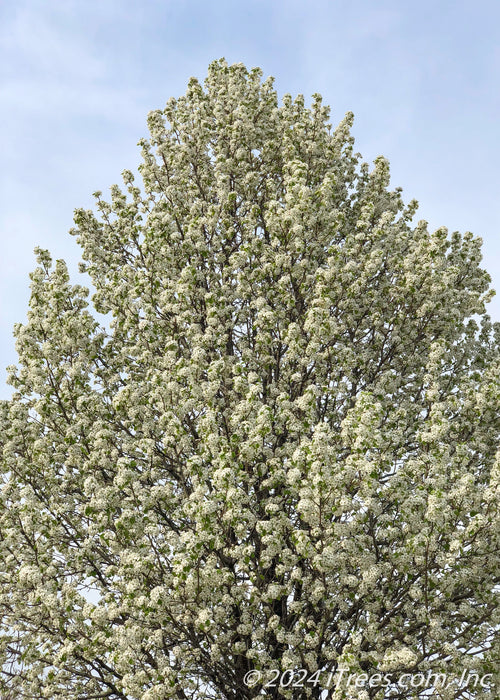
270, 439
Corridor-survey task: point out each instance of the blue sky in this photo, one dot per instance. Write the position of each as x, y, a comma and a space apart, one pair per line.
77, 79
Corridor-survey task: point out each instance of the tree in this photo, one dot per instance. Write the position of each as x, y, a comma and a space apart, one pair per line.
271, 445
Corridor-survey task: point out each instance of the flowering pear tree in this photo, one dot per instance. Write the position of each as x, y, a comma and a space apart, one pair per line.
269, 446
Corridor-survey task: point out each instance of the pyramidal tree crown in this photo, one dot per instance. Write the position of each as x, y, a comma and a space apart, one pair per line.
279, 451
